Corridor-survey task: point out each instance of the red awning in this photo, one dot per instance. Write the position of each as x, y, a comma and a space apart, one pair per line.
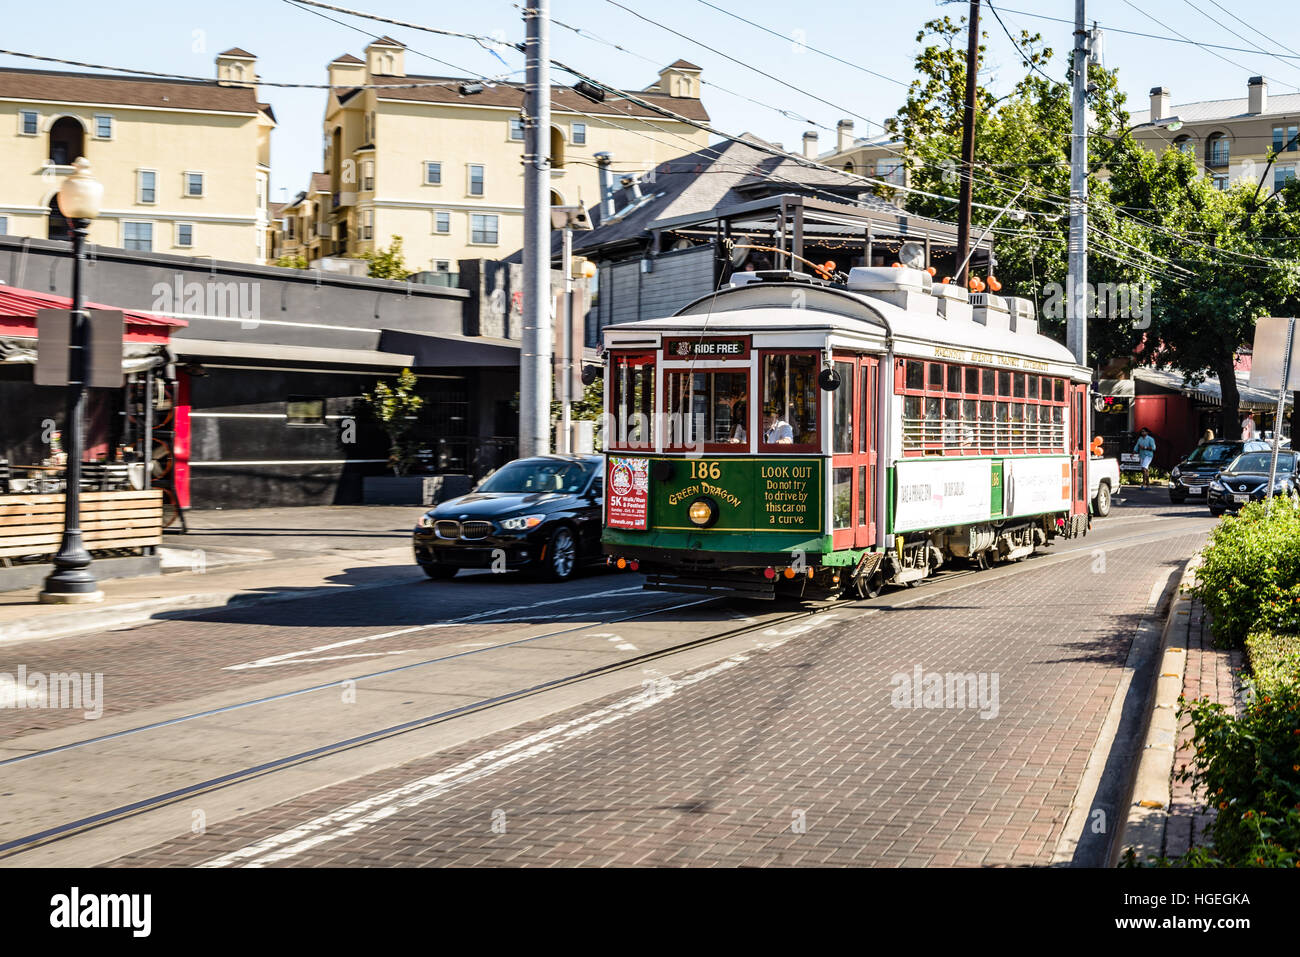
18, 316
23, 303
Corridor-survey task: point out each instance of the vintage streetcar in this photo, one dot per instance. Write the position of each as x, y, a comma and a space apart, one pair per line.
792, 436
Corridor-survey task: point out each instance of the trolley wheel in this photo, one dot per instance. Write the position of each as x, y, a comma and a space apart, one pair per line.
170, 510
868, 586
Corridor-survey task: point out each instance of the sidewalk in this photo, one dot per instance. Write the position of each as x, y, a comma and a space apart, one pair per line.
1166, 818
236, 556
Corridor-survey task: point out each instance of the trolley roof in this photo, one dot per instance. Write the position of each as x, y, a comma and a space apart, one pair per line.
767, 307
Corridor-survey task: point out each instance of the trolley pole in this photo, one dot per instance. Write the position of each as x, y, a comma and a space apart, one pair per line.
962, 276
1076, 300
535, 356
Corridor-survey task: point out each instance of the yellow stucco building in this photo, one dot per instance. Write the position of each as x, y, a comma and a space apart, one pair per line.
437, 160
185, 164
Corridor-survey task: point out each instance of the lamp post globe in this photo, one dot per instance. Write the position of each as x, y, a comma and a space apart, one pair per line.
81, 195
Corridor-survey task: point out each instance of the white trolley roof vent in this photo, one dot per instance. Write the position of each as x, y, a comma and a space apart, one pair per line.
953, 300
889, 279
1023, 320
991, 311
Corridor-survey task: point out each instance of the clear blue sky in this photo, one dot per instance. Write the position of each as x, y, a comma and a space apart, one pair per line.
293, 45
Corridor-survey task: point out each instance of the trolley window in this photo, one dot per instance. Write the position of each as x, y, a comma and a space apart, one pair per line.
791, 402
843, 409
632, 401
708, 408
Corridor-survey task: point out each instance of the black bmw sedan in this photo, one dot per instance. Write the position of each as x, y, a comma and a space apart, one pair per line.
1246, 480
542, 514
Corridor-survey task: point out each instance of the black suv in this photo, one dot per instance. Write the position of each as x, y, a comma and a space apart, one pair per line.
541, 513
1245, 479
1192, 476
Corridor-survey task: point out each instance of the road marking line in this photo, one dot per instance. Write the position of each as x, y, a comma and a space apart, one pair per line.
292, 657
360, 815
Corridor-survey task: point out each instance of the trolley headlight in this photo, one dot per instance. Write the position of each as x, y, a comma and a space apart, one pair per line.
703, 512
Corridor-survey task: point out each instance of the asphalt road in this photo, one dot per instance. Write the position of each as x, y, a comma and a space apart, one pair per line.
784, 740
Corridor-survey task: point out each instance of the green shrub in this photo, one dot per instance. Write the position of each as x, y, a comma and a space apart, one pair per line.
1249, 769
1250, 577
1273, 658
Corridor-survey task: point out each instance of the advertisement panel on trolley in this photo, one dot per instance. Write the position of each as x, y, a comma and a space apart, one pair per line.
931, 494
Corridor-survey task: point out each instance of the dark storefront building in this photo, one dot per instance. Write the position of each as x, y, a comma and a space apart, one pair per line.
269, 365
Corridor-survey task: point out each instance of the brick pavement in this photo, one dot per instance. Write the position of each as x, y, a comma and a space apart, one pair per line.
1211, 673
791, 756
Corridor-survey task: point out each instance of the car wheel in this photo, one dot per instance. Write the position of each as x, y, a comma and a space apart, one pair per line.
440, 572
1101, 504
561, 555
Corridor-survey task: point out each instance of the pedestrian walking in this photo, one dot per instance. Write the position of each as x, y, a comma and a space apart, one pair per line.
1146, 451
1248, 427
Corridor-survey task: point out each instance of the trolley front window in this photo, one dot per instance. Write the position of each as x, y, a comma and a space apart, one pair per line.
708, 408
632, 401
790, 402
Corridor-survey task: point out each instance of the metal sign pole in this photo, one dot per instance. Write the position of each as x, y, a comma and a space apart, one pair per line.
1281, 410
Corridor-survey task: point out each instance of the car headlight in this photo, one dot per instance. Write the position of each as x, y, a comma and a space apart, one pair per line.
521, 522
426, 520
703, 512
1175, 473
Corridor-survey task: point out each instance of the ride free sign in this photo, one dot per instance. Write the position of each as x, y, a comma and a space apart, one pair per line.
749, 494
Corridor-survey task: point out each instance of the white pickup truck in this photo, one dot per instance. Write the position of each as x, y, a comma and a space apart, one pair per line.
1103, 481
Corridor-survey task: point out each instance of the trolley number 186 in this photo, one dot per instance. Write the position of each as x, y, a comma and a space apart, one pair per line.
705, 470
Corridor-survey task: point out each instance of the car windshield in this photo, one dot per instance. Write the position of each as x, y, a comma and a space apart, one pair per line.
539, 477
1211, 454
1260, 462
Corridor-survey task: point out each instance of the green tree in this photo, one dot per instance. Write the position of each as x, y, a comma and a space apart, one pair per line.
394, 407
291, 262
387, 263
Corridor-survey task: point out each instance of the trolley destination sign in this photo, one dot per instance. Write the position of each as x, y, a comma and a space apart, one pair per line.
712, 347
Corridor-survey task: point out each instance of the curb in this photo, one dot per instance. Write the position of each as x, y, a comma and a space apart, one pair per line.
1148, 812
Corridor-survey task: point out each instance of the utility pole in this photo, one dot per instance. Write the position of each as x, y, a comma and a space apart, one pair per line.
535, 351
1076, 301
565, 366
968, 145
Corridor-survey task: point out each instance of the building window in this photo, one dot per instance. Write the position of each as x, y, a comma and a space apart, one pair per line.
103, 126
433, 174
1282, 175
579, 135
194, 186
304, 410
483, 229
368, 175
442, 265
442, 221
1218, 150
891, 171
517, 129
1184, 145
4, 225
475, 179
1220, 181
368, 224
184, 234
138, 236
66, 136
290, 223
146, 183
30, 122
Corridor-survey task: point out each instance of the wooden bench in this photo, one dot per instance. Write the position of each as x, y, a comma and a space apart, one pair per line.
33, 524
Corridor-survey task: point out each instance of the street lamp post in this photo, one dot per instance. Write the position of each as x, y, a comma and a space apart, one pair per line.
72, 581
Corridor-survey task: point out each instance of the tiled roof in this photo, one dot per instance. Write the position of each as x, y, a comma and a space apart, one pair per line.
236, 51
320, 183
683, 65
55, 87
276, 209
348, 58
386, 42
512, 94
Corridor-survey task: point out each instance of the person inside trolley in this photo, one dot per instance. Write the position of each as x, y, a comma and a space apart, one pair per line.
739, 416
776, 430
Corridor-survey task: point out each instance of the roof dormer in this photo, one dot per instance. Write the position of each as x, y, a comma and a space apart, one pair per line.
386, 57
680, 79
237, 67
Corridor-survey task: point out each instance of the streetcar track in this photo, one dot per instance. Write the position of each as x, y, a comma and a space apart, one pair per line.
28, 842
